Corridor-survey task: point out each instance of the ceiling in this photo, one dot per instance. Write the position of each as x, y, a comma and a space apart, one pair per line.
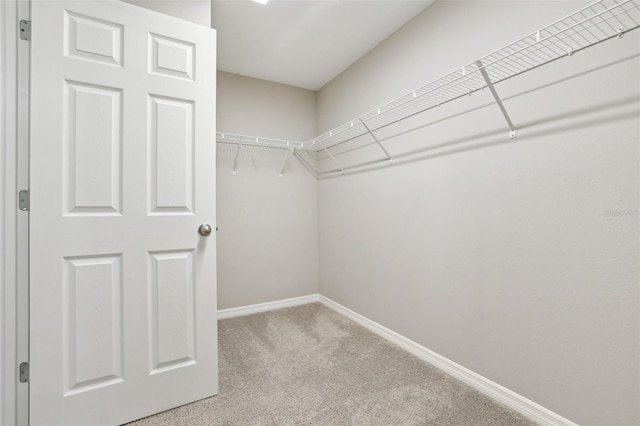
303, 43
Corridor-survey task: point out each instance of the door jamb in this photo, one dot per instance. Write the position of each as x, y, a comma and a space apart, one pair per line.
24, 96
8, 214
14, 224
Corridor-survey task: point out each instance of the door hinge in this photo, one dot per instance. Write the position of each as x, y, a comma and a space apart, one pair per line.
24, 200
24, 372
25, 30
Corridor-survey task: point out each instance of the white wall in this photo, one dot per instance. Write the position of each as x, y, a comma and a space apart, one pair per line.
515, 258
268, 237
198, 11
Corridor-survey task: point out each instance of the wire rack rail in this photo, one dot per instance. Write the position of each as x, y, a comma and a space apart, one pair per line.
589, 26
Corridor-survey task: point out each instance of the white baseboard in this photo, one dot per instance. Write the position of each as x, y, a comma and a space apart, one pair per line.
268, 306
499, 393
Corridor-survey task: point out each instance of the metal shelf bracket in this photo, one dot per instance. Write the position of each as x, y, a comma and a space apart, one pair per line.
305, 164
235, 160
331, 156
485, 76
389, 159
284, 161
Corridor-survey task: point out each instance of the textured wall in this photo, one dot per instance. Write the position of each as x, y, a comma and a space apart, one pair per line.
268, 237
515, 258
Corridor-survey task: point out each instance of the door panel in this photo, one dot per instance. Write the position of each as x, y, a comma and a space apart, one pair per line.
93, 144
122, 289
172, 342
171, 155
93, 343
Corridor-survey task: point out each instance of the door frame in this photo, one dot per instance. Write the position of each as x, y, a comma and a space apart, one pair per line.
14, 224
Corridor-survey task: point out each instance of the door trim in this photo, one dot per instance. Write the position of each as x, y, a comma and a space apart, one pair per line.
22, 238
14, 224
8, 14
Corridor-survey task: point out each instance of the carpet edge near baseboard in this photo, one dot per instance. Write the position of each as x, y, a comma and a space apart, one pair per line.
267, 306
497, 392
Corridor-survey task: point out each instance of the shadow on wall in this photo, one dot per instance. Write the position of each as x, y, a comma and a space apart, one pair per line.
496, 136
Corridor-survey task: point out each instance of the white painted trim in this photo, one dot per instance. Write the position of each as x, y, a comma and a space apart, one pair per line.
14, 224
268, 306
499, 393
3, 140
8, 214
22, 218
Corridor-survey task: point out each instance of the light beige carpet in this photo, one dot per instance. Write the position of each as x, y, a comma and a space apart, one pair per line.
308, 365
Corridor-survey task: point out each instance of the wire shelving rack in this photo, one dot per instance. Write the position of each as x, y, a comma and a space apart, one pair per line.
589, 26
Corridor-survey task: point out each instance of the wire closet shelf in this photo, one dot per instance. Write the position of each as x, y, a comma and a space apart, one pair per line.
589, 26
243, 140
257, 141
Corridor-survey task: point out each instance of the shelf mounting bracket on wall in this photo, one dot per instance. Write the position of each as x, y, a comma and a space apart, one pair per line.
284, 162
512, 129
377, 141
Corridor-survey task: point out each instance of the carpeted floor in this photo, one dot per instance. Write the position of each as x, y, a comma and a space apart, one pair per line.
308, 365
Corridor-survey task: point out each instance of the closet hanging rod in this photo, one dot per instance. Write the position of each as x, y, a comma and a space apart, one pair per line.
257, 141
591, 25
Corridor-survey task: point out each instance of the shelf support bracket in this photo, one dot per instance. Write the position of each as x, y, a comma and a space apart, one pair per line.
284, 162
305, 164
235, 160
332, 157
389, 159
512, 132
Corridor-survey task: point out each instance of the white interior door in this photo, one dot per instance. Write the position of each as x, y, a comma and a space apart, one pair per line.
122, 286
